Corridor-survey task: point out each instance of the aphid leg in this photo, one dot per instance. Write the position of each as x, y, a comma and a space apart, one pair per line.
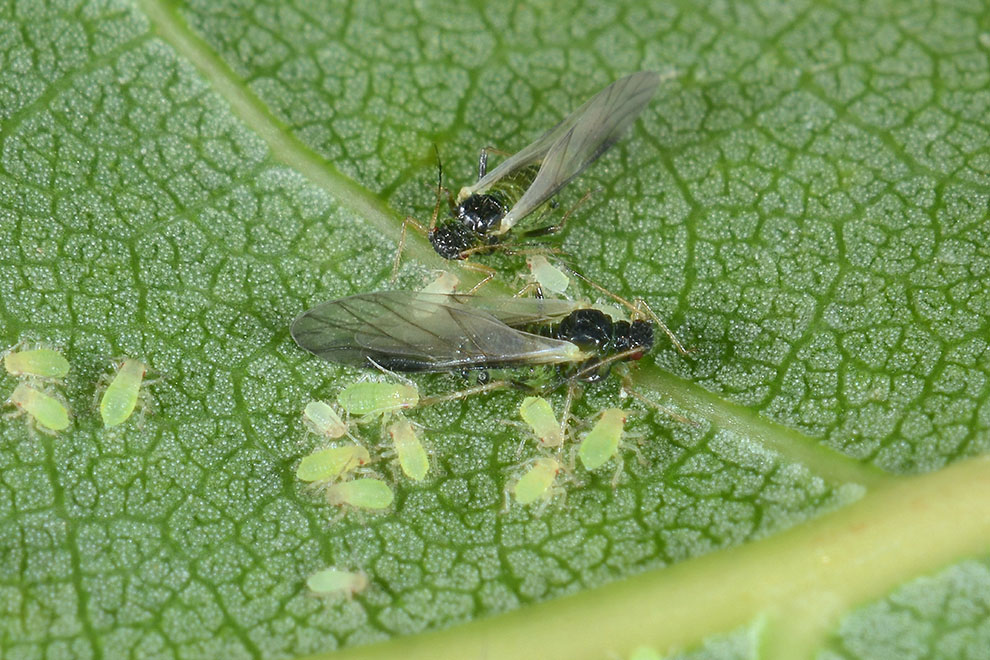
573, 390
641, 304
529, 287
479, 268
462, 394
619, 467
409, 220
553, 229
389, 372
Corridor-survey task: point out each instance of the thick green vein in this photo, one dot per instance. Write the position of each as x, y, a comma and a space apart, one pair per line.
284, 147
908, 527
702, 405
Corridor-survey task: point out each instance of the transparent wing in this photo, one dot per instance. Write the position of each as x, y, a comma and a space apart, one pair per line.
413, 331
601, 123
590, 131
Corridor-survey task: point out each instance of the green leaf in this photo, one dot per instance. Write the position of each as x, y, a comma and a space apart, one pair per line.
805, 203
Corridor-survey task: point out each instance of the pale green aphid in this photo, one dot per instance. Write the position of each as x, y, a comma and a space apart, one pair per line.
335, 582
43, 363
361, 494
538, 414
50, 413
412, 457
537, 482
368, 399
602, 441
325, 465
445, 283
323, 420
121, 395
548, 276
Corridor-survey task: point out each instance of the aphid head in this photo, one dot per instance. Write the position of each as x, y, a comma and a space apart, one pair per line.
452, 239
638, 334
480, 213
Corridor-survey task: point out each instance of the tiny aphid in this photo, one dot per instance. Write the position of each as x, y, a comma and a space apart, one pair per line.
602, 441
335, 582
369, 399
123, 392
537, 482
482, 214
323, 420
444, 283
412, 457
325, 465
538, 415
43, 363
361, 494
546, 276
48, 411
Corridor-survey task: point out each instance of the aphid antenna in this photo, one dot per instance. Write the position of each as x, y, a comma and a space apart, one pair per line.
627, 388
389, 372
573, 391
640, 307
411, 221
463, 394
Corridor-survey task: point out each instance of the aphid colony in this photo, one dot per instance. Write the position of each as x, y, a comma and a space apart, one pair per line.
539, 343
40, 370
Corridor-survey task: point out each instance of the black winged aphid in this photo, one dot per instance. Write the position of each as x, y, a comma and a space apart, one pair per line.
483, 215
411, 331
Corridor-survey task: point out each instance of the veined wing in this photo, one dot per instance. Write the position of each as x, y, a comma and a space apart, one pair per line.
606, 114
601, 123
412, 331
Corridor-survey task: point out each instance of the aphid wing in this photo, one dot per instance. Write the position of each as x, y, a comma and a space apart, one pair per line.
601, 123
409, 331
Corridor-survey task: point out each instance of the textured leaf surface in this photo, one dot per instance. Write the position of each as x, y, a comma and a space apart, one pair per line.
805, 203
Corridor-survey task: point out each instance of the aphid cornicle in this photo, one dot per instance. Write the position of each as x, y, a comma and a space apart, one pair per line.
421, 332
482, 217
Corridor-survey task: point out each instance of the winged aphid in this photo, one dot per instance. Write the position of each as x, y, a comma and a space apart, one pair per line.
483, 214
423, 332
